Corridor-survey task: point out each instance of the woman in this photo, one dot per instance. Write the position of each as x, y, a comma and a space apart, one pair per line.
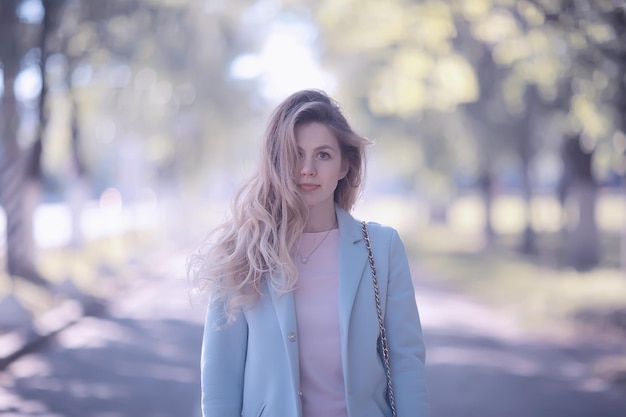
292, 327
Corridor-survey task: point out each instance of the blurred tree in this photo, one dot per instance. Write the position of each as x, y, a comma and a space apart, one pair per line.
153, 82
433, 70
19, 173
25, 35
595, 89
511, 78
150, 78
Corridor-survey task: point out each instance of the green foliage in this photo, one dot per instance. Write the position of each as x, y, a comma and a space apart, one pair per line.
469, 83
544, 295
148, 86
475, 64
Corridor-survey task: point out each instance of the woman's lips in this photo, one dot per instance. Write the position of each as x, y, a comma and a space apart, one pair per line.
308, 187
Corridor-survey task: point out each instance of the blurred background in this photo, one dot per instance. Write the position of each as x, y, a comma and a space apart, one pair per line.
500, 130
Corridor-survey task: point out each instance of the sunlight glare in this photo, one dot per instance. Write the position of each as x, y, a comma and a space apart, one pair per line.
246, 67
28, 83
31, 11
286, 62
289, 59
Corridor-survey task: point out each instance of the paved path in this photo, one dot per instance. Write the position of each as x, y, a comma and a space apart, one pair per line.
485, 365
141, 360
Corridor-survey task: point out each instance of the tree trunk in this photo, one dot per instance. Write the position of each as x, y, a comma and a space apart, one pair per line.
486, 187
620, 25
526, 150
528, 244
18, 192
623, 240
77, 188
583, 243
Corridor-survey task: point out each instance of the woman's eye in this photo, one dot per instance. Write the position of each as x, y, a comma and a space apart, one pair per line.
323, 155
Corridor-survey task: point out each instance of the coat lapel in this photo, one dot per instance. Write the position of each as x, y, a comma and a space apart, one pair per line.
285, 308
352, 262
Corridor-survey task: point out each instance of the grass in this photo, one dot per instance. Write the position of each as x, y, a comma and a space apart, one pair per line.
541, 290
98, 268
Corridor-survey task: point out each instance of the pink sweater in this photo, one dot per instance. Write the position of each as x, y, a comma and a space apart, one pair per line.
317, 315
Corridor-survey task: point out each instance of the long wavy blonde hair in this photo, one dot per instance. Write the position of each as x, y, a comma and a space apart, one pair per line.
267, 215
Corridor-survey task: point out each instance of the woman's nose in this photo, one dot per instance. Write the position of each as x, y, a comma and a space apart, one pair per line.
308, 167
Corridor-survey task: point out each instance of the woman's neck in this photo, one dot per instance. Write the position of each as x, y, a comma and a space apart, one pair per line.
321, 221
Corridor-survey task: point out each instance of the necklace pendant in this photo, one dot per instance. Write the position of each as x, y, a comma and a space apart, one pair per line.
305, 259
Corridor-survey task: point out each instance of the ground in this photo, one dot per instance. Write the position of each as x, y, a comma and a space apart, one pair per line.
141, 358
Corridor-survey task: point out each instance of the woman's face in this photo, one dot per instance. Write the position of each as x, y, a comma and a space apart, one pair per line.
320, 165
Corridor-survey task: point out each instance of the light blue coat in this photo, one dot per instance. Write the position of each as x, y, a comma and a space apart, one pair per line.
251, 367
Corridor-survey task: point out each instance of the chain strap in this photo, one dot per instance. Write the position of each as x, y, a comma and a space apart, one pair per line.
381, 322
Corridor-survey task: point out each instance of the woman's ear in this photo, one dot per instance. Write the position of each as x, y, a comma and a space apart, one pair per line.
345, 168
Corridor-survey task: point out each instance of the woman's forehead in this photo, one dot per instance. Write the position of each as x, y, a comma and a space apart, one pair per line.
314, 135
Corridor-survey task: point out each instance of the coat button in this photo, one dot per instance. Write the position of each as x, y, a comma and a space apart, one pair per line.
292, 337
300, 393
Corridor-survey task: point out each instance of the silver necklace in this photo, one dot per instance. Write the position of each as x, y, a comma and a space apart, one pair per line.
305, 259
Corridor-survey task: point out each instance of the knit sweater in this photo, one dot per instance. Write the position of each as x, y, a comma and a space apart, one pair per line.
317, 315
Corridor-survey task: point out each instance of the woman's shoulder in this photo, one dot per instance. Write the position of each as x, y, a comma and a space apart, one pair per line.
385, 239
376, 229
382, 230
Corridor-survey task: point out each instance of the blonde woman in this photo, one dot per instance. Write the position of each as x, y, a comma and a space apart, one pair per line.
292, 327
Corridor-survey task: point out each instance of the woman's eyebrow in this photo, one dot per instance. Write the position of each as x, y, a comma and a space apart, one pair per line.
321, 148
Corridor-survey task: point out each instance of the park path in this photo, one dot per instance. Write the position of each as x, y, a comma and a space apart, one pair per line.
482, 363
141, 360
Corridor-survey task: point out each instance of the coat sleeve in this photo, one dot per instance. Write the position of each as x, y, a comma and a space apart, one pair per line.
223, 359
404, 335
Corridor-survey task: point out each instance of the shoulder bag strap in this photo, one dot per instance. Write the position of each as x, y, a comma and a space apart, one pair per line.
381, 322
